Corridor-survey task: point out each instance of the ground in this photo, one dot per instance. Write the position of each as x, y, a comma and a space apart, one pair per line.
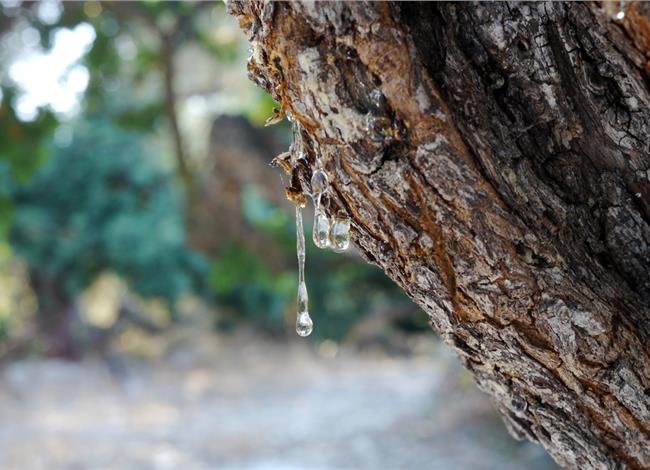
245, 403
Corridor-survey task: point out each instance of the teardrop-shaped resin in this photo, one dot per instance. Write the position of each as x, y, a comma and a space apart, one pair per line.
321, 231
303, 299
340, 234
379, 128
304, 324
319, 182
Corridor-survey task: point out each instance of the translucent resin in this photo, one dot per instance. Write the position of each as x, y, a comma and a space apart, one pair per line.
340, 234
321, 231
319, 182
304, 324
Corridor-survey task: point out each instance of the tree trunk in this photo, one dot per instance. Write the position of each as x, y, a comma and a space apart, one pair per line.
494, 161
57, 317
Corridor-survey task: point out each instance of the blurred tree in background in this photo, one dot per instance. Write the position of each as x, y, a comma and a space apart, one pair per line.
102, 203
129, 144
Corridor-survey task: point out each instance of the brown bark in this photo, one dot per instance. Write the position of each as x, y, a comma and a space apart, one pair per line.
494, 161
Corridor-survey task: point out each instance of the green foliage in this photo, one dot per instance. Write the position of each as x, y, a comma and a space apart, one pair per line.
246, 285
22, 145
263, 215
104, 203
261, 108
241, 279
22, 149
6, 206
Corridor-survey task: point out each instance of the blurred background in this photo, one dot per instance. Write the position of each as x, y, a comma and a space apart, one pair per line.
148, 271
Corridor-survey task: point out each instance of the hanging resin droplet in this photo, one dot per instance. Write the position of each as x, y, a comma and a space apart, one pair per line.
620, 14
304, 324
340, 234
319, 182
321, 232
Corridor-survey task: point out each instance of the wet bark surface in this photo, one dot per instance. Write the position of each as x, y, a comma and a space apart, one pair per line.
494, 161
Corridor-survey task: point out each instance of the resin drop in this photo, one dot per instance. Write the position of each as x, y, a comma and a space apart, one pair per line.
304, 324
321, 232
340, 234
377, 99
518, 404
620, 14
379, 128
319, 182
303, 299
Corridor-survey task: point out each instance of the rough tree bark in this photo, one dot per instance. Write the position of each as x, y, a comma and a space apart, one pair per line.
494, 161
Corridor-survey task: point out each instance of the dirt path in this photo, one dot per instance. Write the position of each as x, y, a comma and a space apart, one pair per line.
237, 404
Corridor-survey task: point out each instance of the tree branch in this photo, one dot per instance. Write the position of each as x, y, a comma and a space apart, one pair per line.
492, 158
